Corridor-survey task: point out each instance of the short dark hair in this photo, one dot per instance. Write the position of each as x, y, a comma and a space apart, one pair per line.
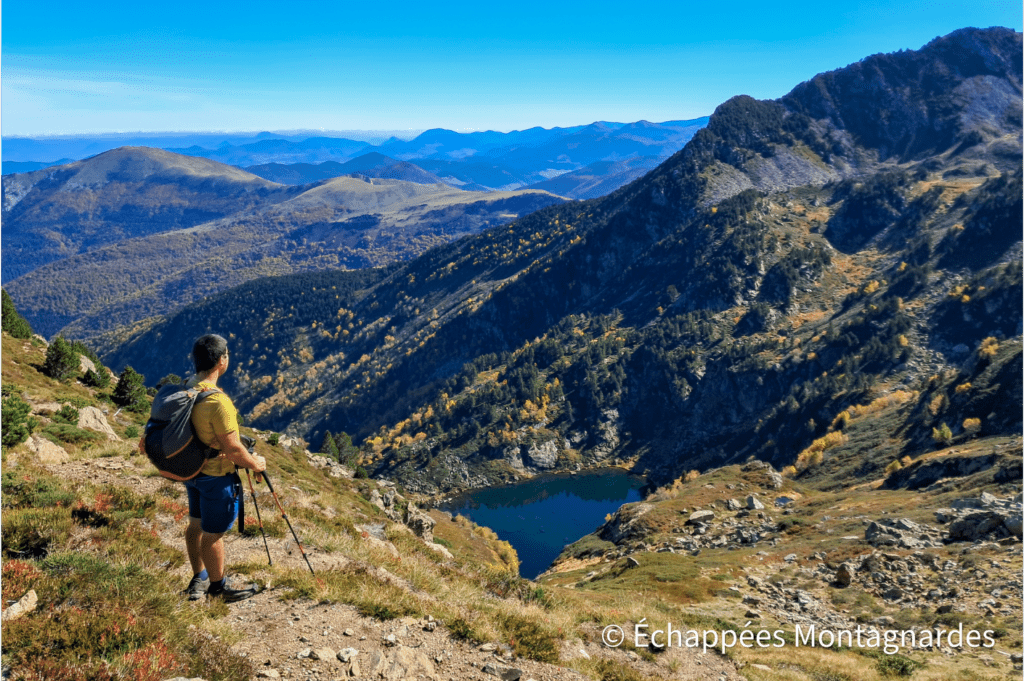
207, 351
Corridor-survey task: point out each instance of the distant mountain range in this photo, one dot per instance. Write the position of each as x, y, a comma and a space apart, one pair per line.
852, 246
478, 161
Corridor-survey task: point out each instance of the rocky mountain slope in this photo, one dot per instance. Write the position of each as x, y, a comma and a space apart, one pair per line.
792, 261
93, 568
142, 232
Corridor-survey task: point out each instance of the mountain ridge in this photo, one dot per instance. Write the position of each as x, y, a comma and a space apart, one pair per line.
723, 210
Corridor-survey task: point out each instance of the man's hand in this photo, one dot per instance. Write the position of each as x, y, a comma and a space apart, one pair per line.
232, 449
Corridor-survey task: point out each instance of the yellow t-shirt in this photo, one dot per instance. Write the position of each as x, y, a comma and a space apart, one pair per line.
214, 415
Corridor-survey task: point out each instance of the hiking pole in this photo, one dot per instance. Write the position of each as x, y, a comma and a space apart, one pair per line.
258, 519
250, 445
285, 516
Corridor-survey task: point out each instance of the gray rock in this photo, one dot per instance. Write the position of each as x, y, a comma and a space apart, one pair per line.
754, 504
977, 526
632, 562
347, 654
502, 672
733, 505
1014, 524
700, 517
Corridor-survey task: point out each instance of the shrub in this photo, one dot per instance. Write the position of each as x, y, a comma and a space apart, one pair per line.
61, 433
274, 438
962, 388
17, 425
942, 435
131, 432
130, 392
893, 467
972, 426
841, 421
690, 476
61, 360
67, 414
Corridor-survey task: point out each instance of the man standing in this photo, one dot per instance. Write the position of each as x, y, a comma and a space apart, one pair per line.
212, 495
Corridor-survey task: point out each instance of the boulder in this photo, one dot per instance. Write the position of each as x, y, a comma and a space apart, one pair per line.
86, 364
1014, 525
46, 451
91, 418
975, 526
25, 605
754, 504
700, 517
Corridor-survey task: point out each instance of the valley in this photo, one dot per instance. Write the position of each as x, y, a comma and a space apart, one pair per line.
791, 350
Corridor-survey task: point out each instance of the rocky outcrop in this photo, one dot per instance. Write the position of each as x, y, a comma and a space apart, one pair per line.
335, 469
774, 479
399, 510
91, 418
902, 533
543, 455
983, 517
626, 523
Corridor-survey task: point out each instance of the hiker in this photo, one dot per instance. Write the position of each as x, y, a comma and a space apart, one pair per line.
213, 495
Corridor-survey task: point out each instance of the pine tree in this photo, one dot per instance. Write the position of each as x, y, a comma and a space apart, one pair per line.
130, 392
62, 361
346, 450
329, 448
12, 322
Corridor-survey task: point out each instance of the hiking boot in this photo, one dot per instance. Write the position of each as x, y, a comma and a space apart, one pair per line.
197, 588
230, 594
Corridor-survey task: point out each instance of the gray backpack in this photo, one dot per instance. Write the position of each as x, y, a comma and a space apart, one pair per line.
171, 441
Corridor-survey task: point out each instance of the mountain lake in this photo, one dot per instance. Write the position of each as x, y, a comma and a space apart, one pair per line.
540, 516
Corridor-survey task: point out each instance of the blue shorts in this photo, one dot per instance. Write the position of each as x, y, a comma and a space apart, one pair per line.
214, 500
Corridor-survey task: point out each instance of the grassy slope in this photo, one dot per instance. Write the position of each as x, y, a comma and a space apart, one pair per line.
103, 553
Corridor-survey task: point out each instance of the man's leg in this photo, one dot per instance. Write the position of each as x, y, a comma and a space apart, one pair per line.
212, 549
193, 537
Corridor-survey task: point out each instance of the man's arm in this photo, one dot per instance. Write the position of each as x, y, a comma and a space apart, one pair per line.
234, 451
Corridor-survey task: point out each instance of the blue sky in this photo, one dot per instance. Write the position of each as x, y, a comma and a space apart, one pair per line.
75, 67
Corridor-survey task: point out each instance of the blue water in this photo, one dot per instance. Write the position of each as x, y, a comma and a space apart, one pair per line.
540, 516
